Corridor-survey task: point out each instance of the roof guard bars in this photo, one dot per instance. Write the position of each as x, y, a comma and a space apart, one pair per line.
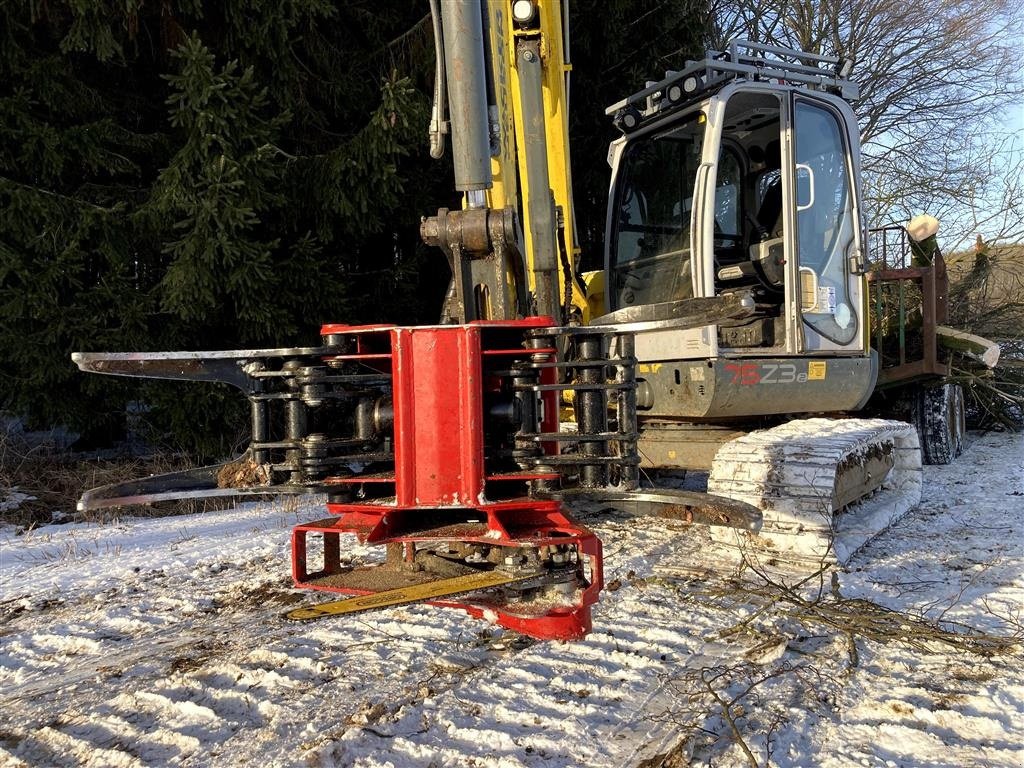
744, 60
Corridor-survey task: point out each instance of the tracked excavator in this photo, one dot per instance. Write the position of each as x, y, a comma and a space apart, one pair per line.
730, 331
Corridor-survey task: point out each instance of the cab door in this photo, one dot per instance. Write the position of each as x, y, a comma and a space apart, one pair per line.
828, 235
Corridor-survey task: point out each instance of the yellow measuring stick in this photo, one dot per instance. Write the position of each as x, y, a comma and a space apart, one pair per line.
430, 590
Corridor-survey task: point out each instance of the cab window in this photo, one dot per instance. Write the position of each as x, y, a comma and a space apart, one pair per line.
650, 257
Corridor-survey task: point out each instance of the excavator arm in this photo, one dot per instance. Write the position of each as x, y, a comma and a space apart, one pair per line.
504, 72
443, 443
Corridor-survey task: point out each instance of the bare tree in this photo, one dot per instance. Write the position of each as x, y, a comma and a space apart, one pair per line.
935, 77
995, 208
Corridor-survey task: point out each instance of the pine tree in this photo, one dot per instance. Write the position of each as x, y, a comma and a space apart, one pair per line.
68, 249
195, 174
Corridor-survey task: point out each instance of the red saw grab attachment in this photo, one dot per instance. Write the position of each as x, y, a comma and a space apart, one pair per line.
445, 507
443, 444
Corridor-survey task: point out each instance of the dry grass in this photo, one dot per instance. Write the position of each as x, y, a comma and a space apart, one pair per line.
987, 299
55, 479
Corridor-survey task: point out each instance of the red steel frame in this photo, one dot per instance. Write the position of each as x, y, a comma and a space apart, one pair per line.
439, 377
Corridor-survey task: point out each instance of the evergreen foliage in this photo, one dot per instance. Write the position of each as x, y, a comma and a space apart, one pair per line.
200, 175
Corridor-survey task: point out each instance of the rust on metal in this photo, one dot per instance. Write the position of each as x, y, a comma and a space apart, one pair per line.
710, 513
860, 474
670, 504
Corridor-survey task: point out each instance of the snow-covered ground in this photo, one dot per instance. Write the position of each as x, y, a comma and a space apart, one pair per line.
161, 642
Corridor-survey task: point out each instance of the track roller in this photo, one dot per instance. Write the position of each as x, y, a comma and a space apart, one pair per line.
825, 487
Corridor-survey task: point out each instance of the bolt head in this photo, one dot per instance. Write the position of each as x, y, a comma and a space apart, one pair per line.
430, 230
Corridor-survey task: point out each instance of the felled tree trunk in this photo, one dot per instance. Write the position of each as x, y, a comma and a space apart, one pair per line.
923, 245
923, 253
975, 347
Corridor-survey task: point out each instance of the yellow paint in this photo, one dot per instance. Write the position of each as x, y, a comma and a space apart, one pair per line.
415, 594
595, 303
512, 159
671, 454
649, 367
816, 370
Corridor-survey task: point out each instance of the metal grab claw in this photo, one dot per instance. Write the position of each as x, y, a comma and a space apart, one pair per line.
671, 504
300, 397
197, 483
443, 444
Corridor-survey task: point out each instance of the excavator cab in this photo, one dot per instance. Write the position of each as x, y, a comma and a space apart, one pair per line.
741, 174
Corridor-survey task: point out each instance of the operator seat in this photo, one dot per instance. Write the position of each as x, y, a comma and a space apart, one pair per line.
769, 215
763, 261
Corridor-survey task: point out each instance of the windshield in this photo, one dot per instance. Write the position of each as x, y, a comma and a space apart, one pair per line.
650, 258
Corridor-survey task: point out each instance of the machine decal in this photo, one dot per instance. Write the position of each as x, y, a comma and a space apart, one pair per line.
749, 374
746, 374
816, 370
826, 299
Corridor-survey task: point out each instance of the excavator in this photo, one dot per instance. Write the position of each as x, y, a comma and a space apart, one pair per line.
731, 330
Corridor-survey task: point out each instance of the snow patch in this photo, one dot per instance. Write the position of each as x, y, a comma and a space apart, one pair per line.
160, 642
